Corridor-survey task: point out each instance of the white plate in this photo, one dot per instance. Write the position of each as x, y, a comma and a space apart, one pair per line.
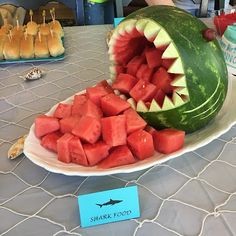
48, 160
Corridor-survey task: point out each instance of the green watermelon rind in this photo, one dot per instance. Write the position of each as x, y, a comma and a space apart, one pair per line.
203, 63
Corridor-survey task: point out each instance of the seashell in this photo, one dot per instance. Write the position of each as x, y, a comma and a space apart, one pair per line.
17, 148
33, 74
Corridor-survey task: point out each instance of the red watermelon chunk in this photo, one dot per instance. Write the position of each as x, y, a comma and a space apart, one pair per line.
114, 130
112, 104
68, 123
136, 49
168, 140
105, 85
159, 97
119, 69
62, 110
167, 62
144, 72
153, 57
162, 80
134, 121
119, 156
90, 109
124, 82
78, 101
143, 90
49, 141
96, 93
77, 152
88, 129
63, 148
96, 152
45, 124
141, 144
134, 64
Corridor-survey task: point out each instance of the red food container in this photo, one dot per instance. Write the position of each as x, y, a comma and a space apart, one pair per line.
222, 21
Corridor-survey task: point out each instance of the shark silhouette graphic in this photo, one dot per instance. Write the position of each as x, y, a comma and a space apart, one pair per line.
111, 202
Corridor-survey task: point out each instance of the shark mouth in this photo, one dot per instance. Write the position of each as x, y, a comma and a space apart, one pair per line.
130, 39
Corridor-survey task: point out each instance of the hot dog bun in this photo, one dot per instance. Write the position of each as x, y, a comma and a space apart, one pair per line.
11, 48
27, 46
32, 28
55, 45
41, 46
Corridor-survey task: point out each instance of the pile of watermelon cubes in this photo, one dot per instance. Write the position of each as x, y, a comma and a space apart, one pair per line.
100, 128
144, 77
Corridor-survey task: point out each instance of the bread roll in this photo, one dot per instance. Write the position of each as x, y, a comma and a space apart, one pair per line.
32, 28
41, 46
5, 28
27, 46
55, 26
55, 45
3, 31
18, 31
2, 41
11, 48
44, 29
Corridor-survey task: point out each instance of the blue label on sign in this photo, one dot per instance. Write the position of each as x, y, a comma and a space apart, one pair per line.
109, 206
117, 21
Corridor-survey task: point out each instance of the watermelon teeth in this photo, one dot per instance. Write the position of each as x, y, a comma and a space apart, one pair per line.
140, 25
176, 67
154, 106
162, 39
179, 81
151, 31
177, 99
141, 106
170, 52
126, 42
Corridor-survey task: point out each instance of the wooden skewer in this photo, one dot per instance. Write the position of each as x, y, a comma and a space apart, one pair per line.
17, 23
26, 34
51, 31
40, 38
31, 15
10, 35
44, 16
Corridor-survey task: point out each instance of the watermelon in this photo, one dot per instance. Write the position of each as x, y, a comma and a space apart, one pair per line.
112, 105
134, 64
77, 152
88, 129
144, 72
45, 124
49, 141
196, 80
68, 123
89, 108
63, 151
119, 156
143, 90
62, 110
78, 101
96, 93
124, 83
162, 80
168, 140
141, 144
153, 57
114, 130
96, 152
133, 121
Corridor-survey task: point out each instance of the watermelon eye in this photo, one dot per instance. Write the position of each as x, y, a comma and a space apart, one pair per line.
155, 59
